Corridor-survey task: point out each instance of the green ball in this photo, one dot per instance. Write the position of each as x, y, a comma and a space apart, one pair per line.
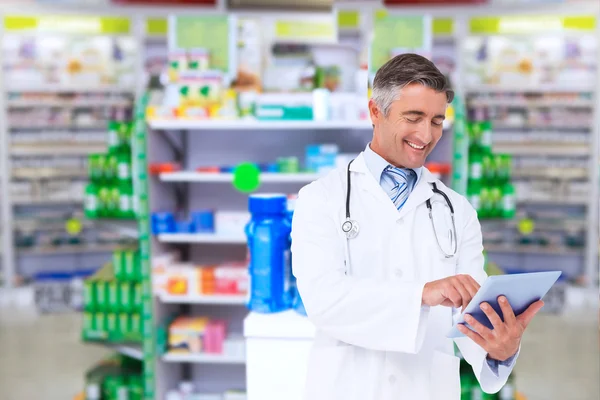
246, 178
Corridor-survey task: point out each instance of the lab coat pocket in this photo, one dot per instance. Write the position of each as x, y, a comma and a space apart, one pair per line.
327, 373
445, 377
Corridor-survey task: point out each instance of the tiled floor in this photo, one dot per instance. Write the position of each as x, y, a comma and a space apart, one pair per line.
41, 357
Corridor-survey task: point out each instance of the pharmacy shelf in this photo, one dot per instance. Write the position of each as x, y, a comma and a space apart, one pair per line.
209, 238
33, 202
547, 88
531, 103
71, 88
67, 104
526, 149
134, 352
257, 125
550, 173
539, 127
61, 250
49, 149
103, 127
203, 358
512, 248
190, 176
203, 299
554, 201
47, 173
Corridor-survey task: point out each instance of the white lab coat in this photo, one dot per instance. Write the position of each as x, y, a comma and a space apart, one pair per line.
374, 340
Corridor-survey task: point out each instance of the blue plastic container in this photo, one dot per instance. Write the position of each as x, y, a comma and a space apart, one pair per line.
268, 232
297, 305
204, 221
163, 222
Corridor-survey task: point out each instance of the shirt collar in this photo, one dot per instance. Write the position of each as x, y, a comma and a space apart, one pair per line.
376, 164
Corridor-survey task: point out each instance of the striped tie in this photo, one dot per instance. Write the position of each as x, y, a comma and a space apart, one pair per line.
396, 183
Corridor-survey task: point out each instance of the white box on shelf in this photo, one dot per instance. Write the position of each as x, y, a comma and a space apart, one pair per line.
231, 223
271, 341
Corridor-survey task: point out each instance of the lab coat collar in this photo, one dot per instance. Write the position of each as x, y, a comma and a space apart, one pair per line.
421, 192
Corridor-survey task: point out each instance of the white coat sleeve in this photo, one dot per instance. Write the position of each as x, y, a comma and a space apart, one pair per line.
471, 261
369, 313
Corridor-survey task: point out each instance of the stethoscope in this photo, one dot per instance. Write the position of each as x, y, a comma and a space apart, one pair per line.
351, 228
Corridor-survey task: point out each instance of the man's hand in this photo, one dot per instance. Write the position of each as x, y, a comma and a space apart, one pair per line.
454, 291
503, 341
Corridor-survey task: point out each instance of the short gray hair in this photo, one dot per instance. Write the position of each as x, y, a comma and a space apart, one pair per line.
404, 70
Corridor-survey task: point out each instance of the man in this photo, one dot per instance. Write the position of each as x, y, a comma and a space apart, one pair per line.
383, 300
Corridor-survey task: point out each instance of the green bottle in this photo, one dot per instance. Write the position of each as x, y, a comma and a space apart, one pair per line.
486, 136
123, 167
474, 196
118, 265
103, 201
89, 295
113, 201
113, 136
496, 198
110, 167
509, 201
466, 386
101, 296
486, 203
126, 297
95, 165
475, 134
114, 301
125, 200
475, 166
489, 171
91, 201
124, 133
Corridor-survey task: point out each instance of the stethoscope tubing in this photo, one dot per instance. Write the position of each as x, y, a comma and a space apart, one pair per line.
350, 228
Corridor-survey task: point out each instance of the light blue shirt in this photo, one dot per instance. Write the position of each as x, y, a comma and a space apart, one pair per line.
376, 165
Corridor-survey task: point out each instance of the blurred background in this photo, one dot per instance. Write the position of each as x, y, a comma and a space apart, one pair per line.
134, 132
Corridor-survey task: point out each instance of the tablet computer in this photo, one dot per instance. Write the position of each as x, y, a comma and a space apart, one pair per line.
521, 290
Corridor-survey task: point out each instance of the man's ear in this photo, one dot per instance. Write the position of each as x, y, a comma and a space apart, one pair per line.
375, 113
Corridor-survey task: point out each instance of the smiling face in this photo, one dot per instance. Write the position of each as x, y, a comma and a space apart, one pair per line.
412, 128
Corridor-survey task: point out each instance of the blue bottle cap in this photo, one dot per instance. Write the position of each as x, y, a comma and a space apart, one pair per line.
267, 203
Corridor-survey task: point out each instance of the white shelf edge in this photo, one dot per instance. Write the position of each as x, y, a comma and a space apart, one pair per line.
521, 103
540, 149
203, 299
516, 249
255, 124
203, 358
71, 127
23, 202
558, 202
62, 88
550, 88
190, 176
201, 238
66, 104
63, 149
70, 249
130, 351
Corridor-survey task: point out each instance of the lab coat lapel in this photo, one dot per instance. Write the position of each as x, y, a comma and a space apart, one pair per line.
420, 193
367, 183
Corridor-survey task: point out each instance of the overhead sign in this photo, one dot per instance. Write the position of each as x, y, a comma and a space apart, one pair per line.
68, 24
396, 34
443, 26
213, 33
531, 24
157, 26
319, 29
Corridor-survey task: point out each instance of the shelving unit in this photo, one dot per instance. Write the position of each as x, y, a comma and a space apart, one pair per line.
549, 130
53, 120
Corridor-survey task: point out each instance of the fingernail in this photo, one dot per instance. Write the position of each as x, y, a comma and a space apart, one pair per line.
484, 306
503, 299
468, 317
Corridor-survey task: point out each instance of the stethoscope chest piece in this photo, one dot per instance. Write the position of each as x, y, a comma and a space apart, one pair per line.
350, 228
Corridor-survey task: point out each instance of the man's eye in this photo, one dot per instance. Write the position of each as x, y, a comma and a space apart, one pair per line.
437, 123
412, 121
